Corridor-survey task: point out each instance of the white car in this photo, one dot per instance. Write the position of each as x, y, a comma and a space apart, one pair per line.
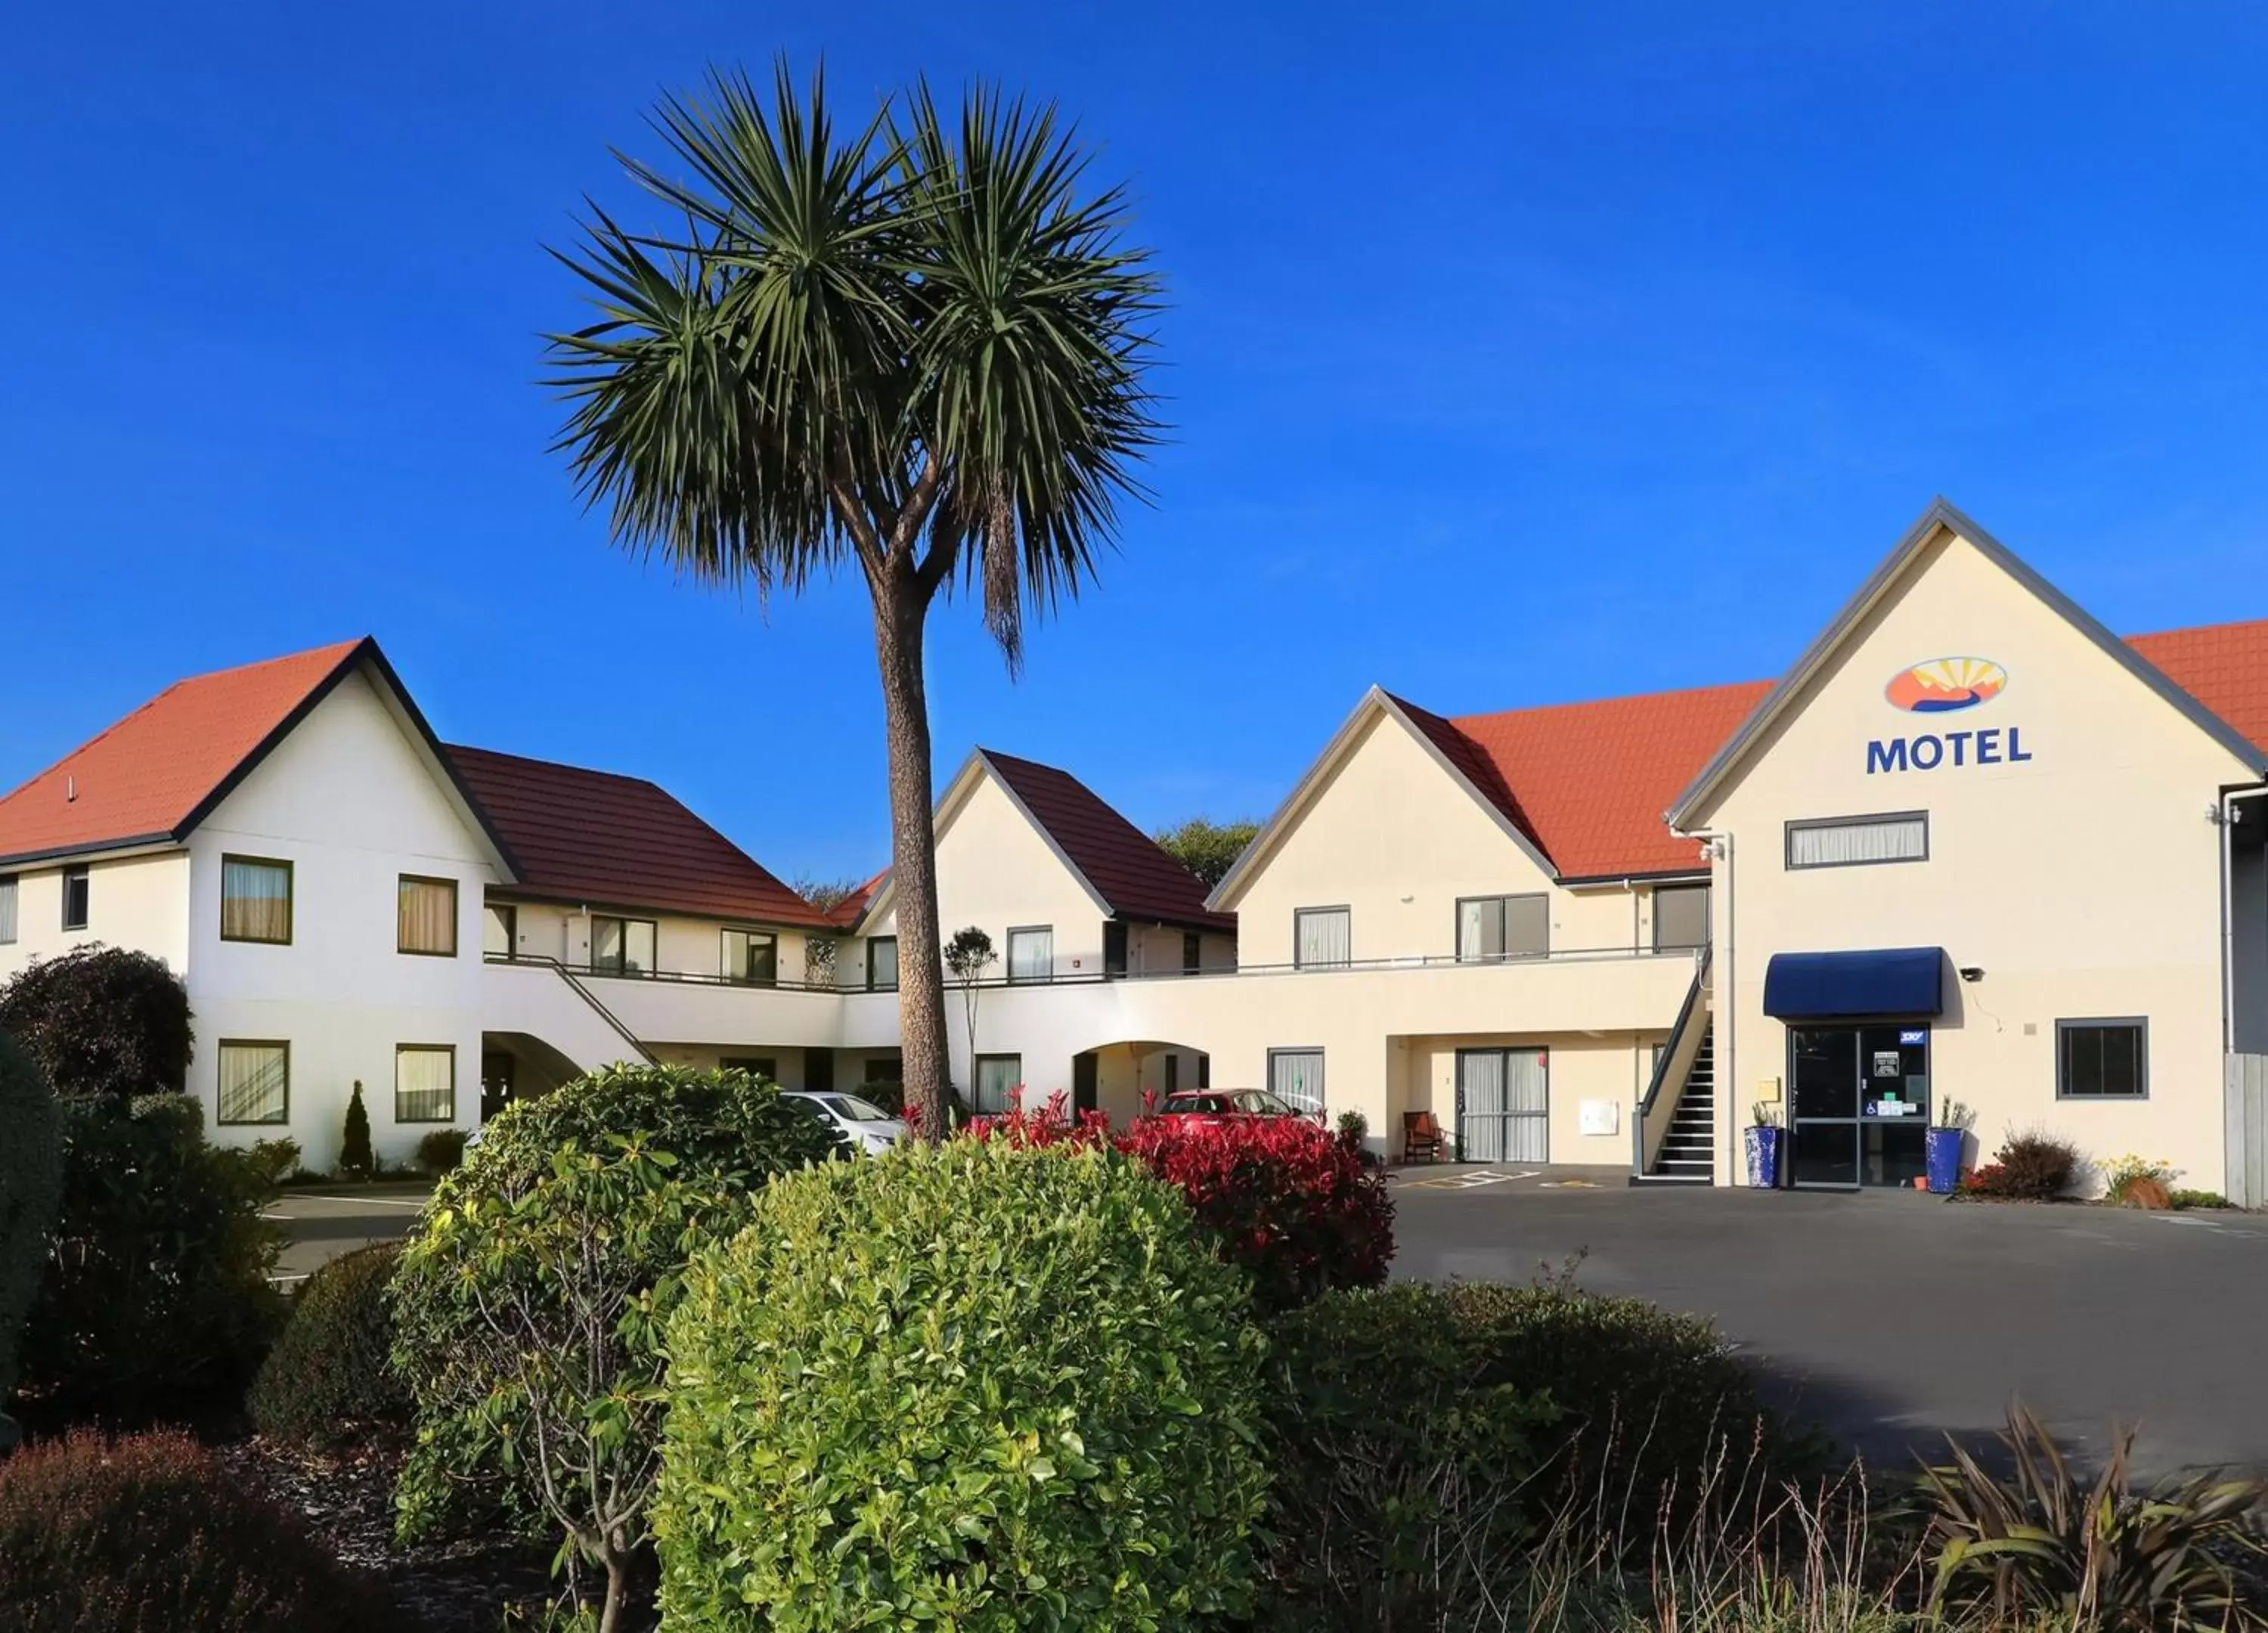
867, 1126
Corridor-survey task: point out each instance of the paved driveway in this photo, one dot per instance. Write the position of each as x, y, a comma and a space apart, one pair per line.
323, 1224
1893, 1317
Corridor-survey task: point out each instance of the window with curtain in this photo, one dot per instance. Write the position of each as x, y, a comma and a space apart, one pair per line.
500, 931
256, 1082
1323, 938
998, 1078
2103, 1060
425, 917
620, 947
1490, 928
77, 892
1032, 953
1681, 917
882, 964
7, 909
424, 1083
256, 900
752, 956
1296, 1076
1855, 841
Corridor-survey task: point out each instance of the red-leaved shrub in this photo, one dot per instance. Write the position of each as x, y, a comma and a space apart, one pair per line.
1284, 1198
151, 1535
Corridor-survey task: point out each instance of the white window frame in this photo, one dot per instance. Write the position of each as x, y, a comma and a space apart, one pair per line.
1852, 828
1299, 917
1028, 966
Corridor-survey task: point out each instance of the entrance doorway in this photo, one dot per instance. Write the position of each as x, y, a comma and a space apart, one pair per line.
1859, 1103
1503, 1105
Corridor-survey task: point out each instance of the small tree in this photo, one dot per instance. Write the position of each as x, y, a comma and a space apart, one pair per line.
355, 1156
30, 1183
967, 957
103, 1023
1207, 849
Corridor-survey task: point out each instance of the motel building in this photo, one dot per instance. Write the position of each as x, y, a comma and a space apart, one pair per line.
1971, 847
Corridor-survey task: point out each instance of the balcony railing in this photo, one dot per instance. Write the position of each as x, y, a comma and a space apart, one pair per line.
1090, 978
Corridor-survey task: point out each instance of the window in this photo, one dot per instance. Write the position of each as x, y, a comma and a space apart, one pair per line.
7, 907
1113, 947
764, 1066
882, 964
1854, 841
425, 1083
752, 956
1489, 928
622, 947
500, 931
1681, 917
75, 898
2103, 1060
883, 1069
1321, 937
1032, 953
998, 1077
1296, 1077
256, 900
425, 916
1173, 1073
1192, 952
256, 1082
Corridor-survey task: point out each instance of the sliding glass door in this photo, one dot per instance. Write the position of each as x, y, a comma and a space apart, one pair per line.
1503, 1105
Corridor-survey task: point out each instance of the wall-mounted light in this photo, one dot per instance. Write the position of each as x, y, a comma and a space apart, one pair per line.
1972, 972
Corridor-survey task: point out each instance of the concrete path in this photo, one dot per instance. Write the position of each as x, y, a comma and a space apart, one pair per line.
1894, 1318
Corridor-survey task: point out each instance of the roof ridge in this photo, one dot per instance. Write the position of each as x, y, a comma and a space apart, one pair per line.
558, 765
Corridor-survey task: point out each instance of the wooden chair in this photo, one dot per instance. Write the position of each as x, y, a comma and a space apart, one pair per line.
1421, 1137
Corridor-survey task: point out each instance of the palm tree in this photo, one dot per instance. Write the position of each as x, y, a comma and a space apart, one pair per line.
919, 348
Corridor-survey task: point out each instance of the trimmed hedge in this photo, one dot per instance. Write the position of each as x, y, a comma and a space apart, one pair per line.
331, 1380
979, 1386
104, 1023
151, 1535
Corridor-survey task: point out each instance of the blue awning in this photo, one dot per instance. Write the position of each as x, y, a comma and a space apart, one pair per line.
1901, 982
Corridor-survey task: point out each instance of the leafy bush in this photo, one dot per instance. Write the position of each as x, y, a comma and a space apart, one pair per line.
31, 1183
1290, 1203
330, 1378
1402, 1455
2044, 1544
2197, 1199
355, 1161
979, 1386
529, 1303
441, 1151
2131, 1179
275, 1160
104, 1023
155, 1297
151, 1535
2028, 1167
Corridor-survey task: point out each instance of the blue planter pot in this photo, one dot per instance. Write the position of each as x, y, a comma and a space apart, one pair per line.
1942, 1151
1762, 1148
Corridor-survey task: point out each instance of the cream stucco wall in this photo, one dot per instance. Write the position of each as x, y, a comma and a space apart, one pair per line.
353, 805
2083, 881
140, 901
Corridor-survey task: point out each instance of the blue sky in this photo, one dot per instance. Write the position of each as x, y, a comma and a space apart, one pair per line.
1517, 354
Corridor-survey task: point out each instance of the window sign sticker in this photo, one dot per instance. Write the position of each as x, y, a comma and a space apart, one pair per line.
1912, 1035
1889, 1063
1887, 1108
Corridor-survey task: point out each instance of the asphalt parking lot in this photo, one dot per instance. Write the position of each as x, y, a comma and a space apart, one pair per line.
320, 1226
1894, 1318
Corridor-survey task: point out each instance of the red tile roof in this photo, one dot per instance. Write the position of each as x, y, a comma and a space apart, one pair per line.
1588, 782
151, 776
2224, 667
612, 841
1123, 864
852, 908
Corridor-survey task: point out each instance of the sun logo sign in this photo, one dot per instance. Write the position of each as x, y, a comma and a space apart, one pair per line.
1945, 686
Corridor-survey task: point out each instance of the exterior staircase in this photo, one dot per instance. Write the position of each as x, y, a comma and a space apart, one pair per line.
1688, 1151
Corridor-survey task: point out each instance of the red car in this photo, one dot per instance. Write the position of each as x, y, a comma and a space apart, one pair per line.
1210, 1105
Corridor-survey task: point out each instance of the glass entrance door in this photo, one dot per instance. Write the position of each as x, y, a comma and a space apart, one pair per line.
1860, 1102
1503, 1105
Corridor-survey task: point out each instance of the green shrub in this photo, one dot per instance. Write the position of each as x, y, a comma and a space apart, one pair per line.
155, 1299
355, 1161
2198, 1199
276, 1160
529, 1303
1401, 1459
978, 1386
329, 1379
151, 1535
441, 1151
103, 1023
31, 1183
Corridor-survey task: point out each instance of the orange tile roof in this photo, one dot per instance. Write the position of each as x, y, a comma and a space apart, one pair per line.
150, 777
2224, 667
